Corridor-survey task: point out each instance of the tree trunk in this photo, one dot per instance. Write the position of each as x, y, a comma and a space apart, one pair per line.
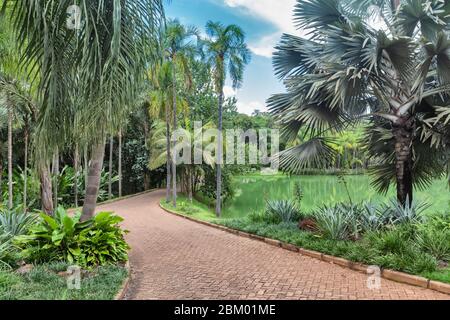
25, 176
10, 156
403, 162
86, 167
219, 158
95, 170
175, 126
120, 164
111, 146
146, 172
46, 189
190, 183
168, 165
55, 169
76, 167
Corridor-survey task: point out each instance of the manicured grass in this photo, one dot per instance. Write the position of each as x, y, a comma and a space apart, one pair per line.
195, 209
388, 250
252, 191
44, 283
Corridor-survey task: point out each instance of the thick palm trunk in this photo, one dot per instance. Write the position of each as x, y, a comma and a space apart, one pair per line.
168, 164
219, 158
46, 189
146, 172
111, 145
10, 156
175, 125
25, 176
76, 167
404, 162
119, 169
95, 169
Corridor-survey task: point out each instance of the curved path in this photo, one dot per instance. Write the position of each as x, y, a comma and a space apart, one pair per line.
174, 258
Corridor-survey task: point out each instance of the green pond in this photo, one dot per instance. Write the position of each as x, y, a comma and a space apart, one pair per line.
252, 192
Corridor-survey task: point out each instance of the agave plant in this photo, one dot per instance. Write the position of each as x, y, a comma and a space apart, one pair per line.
389, 66
334, 222
283, 210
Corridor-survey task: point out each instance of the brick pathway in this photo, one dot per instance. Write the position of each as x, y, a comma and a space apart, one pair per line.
173, 258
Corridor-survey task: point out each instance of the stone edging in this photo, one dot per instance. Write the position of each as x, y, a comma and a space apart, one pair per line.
396, 276
123, 289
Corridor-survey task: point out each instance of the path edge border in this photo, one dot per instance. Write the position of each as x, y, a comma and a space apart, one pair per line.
387, 274
123, 288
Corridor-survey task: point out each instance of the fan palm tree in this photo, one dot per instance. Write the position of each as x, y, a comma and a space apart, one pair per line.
227, 53
106, 53
387, 61
178, 41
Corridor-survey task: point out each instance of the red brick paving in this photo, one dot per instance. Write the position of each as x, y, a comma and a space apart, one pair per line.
173, 258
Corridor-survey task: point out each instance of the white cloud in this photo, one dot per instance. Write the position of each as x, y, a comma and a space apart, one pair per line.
266, 46
278, 12
229, 92
250, 107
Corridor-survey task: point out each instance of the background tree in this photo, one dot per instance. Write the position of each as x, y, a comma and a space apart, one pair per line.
226, 52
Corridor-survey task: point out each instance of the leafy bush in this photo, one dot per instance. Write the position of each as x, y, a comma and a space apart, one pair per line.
208, 189
282, 210
98, 241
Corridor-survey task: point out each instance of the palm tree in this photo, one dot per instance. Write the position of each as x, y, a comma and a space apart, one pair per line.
393, 72
106, 55
225, 49
179, 47
160, 107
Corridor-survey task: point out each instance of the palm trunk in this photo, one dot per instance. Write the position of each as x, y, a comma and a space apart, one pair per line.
120, 164
404, 163
25, 177
168, 165
146, 172
10, 156
55, 168
86, 166
190, 182
219, 158
111, 145
95, 169
175, 125
46, 189
76, 167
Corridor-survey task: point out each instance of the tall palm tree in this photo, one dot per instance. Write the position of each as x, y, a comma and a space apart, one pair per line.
227, 53
160, 107
107, 53
390, 66
178, 42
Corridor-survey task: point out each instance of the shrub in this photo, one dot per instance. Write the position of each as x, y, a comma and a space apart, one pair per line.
98, 241
15, 222
333, 222
434, 241
187, 208
282, 210
208, 189
408, 213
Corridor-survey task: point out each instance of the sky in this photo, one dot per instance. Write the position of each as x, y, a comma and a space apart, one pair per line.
263, 21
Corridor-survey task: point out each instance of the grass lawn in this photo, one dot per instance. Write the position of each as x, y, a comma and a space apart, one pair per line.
44, 283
